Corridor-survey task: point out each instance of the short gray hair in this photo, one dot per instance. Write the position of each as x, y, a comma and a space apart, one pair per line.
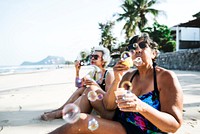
106, 54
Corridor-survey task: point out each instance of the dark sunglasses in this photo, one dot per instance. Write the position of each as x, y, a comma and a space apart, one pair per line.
134, 46
94, 56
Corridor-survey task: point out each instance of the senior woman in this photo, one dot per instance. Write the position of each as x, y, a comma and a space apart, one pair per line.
100, 58
154, 105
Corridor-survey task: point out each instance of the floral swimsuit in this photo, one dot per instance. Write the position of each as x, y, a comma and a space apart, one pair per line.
134, 122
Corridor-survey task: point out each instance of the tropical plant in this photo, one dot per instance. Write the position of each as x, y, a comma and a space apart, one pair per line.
135, 15
107, 39
162, 35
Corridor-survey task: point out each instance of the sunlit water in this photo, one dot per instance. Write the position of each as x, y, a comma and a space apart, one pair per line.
6, 70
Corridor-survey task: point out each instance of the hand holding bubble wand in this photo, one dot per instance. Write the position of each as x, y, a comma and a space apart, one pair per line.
128, 61
124, 92
92, 78
128, 101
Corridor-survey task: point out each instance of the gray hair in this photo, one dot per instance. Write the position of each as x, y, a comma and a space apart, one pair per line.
106, 54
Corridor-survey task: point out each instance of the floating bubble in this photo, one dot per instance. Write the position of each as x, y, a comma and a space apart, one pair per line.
92, 96
93, 124
71, 113
127, 59
100, 96
125, 55
138, 61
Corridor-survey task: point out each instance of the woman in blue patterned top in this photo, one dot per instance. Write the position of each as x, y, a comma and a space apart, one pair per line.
154, 104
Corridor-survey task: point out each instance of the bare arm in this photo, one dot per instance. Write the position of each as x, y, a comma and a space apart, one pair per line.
169, 119
77, 67
108, 81
109, 98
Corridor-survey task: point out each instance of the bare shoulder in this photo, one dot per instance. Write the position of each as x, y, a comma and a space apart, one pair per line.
170, 91
167, 79
110, 73
165, 73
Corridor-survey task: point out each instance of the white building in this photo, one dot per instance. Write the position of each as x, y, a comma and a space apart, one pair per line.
187, 35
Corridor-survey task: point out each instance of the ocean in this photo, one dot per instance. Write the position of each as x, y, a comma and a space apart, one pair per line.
8, 70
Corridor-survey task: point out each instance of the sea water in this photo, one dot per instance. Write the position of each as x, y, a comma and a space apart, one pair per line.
6, 70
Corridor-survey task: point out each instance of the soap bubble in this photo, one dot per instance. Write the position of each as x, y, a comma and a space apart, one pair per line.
92, 96
93, 124
71, 113
100, 96
125, 55
127, 59
138, 61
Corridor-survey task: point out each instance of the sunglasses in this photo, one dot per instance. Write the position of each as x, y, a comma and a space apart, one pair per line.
134, 46
94, 56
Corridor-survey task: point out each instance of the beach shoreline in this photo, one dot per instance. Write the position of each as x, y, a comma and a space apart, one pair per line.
25, 96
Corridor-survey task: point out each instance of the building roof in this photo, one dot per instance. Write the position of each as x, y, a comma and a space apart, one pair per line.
197, 15
192, 23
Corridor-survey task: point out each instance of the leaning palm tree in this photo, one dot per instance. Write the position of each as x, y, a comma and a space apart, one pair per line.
135, 15
107, 39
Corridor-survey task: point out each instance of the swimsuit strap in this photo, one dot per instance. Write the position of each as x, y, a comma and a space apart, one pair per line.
155, 79
154, 76
136, 72
104, 76
103, 83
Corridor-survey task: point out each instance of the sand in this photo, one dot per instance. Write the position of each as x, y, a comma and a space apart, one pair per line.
24, 97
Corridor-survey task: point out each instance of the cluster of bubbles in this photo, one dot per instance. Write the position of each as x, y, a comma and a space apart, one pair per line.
93, 96
137, 61
71, 114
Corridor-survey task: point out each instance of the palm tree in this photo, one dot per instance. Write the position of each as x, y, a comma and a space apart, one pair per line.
107, 39
135, 15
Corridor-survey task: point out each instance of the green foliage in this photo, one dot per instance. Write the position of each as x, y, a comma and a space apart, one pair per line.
162, 35
169, 46
107, 39
134, 13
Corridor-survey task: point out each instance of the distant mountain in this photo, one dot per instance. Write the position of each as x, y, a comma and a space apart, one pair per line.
49, 60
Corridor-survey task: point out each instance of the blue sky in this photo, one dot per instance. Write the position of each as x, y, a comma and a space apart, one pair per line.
30, 30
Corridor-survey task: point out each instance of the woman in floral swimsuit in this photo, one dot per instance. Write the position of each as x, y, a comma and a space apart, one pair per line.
153, 106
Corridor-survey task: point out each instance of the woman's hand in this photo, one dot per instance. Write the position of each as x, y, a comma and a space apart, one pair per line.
119, 70
129, 102
89, 81
77, 65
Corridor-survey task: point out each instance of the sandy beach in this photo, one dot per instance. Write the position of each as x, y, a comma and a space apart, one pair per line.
24, 97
